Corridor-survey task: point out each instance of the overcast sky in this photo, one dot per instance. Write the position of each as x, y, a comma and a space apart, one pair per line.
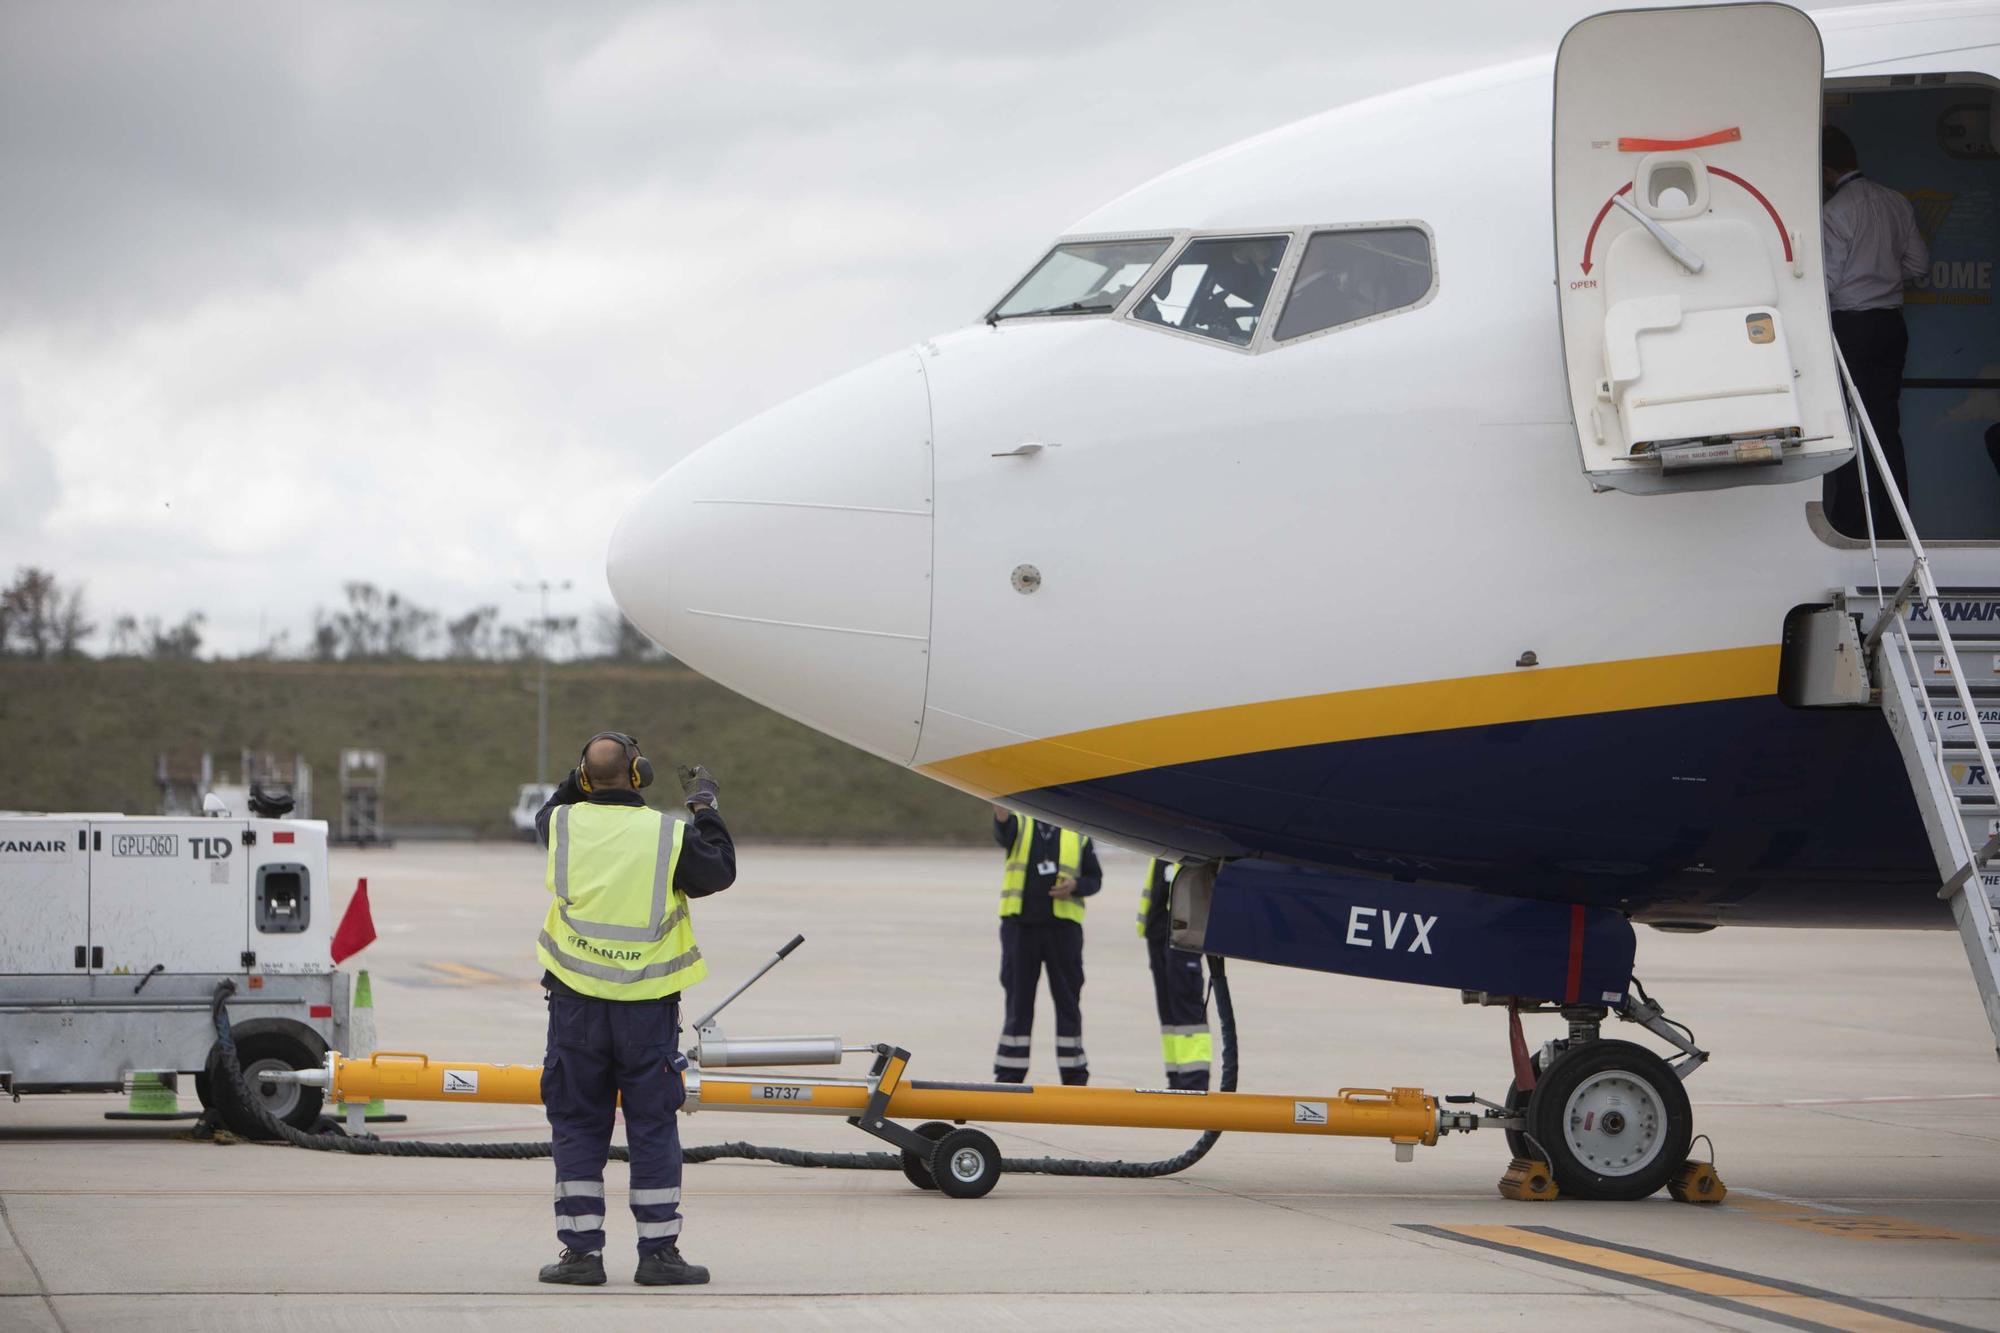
416, 293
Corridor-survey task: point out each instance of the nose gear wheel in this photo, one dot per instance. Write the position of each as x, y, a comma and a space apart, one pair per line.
1613, 1118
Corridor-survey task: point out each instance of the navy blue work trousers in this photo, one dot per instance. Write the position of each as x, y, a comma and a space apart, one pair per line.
1181, 998
1027, 949
602, 1051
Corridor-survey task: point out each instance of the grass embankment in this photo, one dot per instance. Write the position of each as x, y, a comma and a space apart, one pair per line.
460, 739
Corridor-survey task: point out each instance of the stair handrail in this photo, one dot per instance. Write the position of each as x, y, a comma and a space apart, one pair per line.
1920, 583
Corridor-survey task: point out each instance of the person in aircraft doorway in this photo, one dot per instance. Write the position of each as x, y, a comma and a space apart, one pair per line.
1178, 993
1872, 248
617, 949
1050, 871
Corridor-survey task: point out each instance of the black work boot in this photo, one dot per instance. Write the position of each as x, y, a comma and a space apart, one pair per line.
666, 1268
576, 1268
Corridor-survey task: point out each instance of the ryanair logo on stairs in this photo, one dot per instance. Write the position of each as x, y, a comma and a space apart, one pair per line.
1958, 612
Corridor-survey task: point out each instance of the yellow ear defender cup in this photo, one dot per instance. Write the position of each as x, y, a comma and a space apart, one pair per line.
640, 768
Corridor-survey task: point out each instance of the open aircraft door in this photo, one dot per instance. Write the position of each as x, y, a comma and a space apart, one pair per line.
1687, 198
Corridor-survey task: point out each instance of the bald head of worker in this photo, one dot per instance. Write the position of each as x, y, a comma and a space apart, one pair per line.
607, 765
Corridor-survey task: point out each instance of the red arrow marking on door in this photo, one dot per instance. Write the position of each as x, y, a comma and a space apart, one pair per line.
1784, 237
1598, 221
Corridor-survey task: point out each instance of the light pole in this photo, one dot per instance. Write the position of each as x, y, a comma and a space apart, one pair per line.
544, 587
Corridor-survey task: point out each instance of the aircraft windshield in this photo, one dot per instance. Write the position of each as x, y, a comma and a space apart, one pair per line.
1216, 288
1083, 278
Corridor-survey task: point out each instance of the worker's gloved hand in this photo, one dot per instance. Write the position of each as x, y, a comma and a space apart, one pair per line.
698, 787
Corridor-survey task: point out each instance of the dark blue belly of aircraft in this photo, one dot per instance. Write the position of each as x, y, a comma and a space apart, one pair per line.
1740, 811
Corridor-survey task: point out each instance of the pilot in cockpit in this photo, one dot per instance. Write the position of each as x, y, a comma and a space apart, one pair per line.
1244, 275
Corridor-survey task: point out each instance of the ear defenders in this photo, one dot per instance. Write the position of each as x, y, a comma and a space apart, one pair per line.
640, 767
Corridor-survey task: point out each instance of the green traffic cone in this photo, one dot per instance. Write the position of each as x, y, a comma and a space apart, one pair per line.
151, 1096
361, 1027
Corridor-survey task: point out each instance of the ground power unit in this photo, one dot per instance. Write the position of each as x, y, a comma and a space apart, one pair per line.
115, 932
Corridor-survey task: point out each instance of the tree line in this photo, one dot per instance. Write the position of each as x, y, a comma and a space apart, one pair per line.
42, 619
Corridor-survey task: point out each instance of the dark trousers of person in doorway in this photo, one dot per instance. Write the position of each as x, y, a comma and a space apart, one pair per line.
1181, 998
1876, 344
602, 1053
1027, 949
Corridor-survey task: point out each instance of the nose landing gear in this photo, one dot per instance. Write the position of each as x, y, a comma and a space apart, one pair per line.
1602, 1119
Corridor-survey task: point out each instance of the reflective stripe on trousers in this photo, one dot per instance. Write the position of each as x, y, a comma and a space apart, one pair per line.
1186, 1048
580, 1214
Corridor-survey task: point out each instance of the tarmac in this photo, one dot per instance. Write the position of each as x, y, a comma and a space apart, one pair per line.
1853, 1101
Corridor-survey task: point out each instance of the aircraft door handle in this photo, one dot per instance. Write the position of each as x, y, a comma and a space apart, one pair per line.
1669, 242
1027, 449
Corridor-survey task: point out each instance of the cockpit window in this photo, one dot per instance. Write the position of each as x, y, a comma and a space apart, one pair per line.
1082, 278
1349, 275
1216, 288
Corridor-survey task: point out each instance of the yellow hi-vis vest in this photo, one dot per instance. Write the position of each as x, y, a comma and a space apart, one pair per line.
618, 928
1069, 861
1153, 869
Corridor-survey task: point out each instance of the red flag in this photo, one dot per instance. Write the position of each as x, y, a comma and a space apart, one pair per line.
357, 929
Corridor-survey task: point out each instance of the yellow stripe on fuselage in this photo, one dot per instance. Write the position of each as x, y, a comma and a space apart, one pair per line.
1525, 695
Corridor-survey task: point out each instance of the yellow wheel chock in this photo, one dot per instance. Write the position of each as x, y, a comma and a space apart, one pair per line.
1529, 1181
1696, 1182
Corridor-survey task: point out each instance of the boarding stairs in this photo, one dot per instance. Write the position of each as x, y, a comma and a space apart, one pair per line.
1940, 690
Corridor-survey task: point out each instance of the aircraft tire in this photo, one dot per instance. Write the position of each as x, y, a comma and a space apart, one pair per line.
1517, 1142
1614, 1119
917, 1169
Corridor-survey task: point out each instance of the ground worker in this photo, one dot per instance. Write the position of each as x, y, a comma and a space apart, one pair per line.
1872, 248
617, 949
1178, 992
1050, 871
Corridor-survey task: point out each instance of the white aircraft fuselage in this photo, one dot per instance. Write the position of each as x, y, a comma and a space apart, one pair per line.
1343, 601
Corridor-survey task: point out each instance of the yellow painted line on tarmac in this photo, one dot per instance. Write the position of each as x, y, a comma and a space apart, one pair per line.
468, 975
1828, 1220
463, 974
1791, 1303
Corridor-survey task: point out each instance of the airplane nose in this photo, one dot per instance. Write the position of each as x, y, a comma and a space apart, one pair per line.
790, 558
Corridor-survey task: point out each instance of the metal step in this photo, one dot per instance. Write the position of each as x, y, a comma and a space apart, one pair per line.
1957, 803
1950, 716
1970, 782
1979, 657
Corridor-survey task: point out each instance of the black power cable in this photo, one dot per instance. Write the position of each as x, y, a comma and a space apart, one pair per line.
231, 1069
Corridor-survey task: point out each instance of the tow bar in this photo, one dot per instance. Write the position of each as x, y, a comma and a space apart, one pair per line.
941, 1153
879, 1103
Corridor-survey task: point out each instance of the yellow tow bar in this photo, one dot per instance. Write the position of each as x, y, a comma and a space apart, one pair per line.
964, 1163
960, 1162
1401, 1115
